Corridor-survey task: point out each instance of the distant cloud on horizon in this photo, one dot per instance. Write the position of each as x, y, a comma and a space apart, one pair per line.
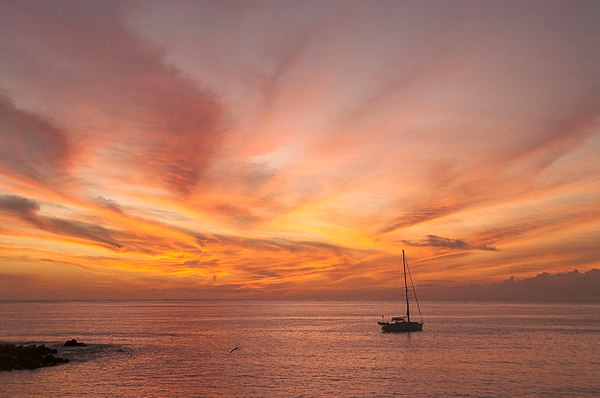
572, 286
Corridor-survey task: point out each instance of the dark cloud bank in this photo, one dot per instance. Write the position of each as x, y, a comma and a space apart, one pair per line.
571, 286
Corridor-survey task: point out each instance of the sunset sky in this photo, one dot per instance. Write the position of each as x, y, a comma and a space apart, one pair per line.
222, 149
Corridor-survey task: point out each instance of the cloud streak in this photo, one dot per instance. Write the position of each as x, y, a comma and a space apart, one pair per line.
31, 147
446, 243
28, 211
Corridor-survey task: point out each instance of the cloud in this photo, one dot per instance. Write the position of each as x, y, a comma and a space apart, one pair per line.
447, 243
31, 146
21, 207
109, 204
130, 104
250, 261
568, 286
236, 213
417, 216
558, 217
27, 210
290, 57
558, 135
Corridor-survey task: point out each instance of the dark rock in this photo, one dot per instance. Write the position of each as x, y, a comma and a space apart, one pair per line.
27, 357
73, 343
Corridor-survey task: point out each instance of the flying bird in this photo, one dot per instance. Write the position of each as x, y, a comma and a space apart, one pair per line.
236, 348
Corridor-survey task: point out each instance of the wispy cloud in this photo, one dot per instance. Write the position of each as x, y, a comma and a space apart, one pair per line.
446, 243
28, 210
161, 123
417, 216
31, 146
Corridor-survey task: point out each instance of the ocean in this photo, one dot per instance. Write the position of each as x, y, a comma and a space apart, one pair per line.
311, 349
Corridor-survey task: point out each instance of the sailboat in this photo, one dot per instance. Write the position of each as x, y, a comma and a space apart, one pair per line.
404, 323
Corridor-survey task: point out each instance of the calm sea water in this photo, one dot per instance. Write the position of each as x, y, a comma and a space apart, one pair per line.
147, 349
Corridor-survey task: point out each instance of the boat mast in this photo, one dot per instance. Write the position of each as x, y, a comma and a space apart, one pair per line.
405, 287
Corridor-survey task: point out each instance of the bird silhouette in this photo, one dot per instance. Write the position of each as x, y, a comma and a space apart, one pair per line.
236, 348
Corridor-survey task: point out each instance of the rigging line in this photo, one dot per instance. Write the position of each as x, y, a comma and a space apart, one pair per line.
414, 291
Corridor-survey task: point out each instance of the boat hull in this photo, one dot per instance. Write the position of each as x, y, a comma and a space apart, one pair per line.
401, 326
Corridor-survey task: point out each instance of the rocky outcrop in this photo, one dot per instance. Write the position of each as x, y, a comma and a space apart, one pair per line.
73, 343
27, 357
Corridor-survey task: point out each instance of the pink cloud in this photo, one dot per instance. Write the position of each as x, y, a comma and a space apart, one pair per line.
116, 87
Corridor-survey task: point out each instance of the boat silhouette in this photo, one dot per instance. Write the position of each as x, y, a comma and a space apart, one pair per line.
404, 323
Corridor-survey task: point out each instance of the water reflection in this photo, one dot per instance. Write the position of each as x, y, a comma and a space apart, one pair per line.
311, 348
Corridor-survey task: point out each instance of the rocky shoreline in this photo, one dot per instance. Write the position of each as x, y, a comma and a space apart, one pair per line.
18, 357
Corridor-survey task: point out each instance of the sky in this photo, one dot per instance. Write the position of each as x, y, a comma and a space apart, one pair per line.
275, 149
